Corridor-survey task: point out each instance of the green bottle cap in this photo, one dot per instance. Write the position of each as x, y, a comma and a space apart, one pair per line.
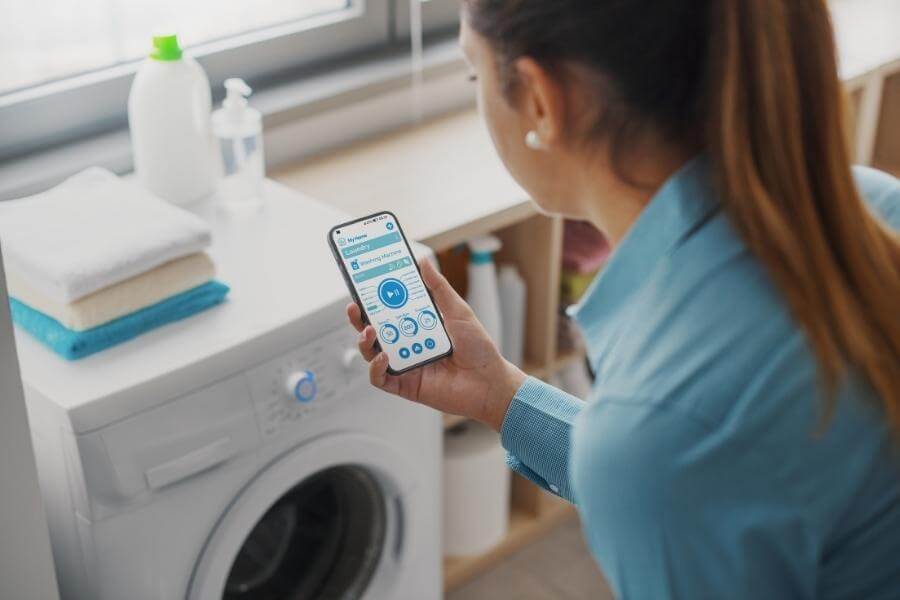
165, 47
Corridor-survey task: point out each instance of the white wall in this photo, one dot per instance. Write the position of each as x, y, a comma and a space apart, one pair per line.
26, 563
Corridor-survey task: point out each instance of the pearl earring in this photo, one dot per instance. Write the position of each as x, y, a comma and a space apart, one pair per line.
533, 140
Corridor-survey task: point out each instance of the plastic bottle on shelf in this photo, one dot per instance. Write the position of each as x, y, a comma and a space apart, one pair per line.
483, 295
168, 114
512, 304
238, 130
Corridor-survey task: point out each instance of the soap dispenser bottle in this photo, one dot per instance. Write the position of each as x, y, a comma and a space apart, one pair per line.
483, 295
237, 127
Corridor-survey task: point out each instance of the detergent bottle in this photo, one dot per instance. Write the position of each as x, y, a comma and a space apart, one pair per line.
168, 116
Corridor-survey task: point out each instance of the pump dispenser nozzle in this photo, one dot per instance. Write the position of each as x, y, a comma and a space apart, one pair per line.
236, 92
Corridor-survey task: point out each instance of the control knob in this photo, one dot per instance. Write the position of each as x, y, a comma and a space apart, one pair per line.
302, 386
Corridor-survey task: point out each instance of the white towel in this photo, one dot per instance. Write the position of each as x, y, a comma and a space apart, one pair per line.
92, 231
121, 299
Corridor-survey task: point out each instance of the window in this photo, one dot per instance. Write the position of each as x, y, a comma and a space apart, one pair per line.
438, 16
54, 39
67, 66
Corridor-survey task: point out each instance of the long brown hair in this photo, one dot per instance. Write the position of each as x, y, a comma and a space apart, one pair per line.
755, 83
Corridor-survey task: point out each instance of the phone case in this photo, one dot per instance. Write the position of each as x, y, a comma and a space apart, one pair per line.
355, 297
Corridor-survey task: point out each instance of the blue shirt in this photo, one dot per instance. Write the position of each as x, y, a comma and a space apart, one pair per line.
696, 464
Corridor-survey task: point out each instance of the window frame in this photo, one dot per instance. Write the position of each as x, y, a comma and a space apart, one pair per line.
39, 117
438, 16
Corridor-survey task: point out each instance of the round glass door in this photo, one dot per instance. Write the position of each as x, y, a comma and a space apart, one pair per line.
322, 539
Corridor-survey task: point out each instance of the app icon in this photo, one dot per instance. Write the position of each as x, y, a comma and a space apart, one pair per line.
392, 293
354, 265
429, 343
409, 326
427, 319
389, 334
417, 348
404, 352
342, 242
389, 226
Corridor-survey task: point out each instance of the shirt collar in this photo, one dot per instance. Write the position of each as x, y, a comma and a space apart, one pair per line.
684, 201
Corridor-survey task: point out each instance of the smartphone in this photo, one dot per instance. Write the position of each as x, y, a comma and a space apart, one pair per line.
384, 279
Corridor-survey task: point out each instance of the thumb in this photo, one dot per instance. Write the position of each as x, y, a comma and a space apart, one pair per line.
448, 301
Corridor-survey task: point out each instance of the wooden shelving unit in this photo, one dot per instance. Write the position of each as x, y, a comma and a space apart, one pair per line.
869, 61
532, 244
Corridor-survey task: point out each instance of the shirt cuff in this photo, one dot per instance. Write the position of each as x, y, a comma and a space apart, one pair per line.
537, 431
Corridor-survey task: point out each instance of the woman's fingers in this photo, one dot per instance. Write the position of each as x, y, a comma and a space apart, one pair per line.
447, 300
366, 343
355, 316
378, 370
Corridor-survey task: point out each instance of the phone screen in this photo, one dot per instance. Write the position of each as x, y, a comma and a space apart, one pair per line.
385, 279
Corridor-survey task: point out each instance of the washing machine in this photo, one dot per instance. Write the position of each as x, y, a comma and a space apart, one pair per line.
240, 453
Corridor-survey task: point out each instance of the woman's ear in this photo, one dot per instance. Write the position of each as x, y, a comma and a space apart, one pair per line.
542, 101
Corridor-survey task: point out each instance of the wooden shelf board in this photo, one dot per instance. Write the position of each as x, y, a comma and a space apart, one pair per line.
442, 179
523, 528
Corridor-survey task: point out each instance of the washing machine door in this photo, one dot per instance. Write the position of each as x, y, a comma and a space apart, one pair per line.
331, 519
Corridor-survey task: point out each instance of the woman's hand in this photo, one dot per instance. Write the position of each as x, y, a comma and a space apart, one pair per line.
475, 381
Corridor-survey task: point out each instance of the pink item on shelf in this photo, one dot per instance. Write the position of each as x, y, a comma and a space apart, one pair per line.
584, 248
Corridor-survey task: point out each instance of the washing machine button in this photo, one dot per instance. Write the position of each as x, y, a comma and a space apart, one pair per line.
302, 386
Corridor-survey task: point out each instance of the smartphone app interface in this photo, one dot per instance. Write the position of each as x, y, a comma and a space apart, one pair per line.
389, 288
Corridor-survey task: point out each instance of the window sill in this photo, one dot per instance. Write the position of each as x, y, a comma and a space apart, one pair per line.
302, 117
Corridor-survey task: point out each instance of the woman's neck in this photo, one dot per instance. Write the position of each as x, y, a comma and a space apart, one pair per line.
612, 202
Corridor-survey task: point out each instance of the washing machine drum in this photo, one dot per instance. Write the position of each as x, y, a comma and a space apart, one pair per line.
322, 539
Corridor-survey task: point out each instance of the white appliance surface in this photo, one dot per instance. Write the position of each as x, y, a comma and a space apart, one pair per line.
159, 457
285, 286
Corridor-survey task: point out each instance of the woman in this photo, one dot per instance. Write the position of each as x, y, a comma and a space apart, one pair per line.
741, 439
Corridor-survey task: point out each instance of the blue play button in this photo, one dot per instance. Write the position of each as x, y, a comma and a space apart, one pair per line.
417, 348
392, 293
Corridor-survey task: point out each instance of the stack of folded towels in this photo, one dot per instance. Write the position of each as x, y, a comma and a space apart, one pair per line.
97, 261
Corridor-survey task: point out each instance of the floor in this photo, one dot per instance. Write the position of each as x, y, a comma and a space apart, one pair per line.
556, 567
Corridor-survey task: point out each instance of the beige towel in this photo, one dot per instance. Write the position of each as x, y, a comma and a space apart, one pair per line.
119, 299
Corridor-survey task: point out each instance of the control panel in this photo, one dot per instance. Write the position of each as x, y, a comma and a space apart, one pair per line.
305, 382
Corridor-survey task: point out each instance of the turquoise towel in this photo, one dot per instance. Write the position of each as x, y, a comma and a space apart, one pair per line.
73, 345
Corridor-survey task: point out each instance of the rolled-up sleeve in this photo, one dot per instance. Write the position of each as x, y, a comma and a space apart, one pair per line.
536, 434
